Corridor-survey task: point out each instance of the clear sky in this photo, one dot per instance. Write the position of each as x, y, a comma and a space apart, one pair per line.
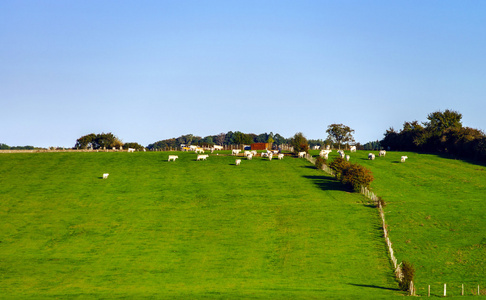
152, 70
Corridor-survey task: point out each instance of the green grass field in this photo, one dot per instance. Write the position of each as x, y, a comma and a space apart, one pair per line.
187, 229
436, 214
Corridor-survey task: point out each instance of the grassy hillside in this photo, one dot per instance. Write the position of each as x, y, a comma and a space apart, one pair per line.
436, 214
197, 229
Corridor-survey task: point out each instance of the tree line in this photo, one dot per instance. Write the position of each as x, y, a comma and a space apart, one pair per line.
442, 133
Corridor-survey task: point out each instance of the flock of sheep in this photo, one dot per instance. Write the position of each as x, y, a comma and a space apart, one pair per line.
250, 154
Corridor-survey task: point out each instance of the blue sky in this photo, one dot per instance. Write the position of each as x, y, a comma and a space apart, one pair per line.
152, 70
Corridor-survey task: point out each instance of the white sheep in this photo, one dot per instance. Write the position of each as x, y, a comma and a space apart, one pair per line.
280, 156
301, 154
202, 157
341, 153
235, 151
131, 150
270, 155
352, 148
105, 175
249, 156
382, 153
173, 157
347, 157
237, 162
371, 156
403, 158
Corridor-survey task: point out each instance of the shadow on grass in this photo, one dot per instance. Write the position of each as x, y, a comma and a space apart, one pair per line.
327, 183
374, 287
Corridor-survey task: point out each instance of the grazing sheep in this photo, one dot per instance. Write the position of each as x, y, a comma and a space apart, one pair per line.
249, 156
316, 147
173, 157
301, 154
202, 157
235, 151
105, 175
216, 147
270, 155
341, 153
382, 153
199, 150
131, 150
264, 154
352, 148
403, 158
280, 156
371, 156
237, 162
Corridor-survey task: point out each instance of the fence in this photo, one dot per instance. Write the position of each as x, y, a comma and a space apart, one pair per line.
370, 195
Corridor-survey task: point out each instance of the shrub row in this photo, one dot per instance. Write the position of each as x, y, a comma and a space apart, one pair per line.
352, 175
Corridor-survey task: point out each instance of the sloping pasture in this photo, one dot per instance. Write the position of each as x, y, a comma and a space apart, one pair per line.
184, 229
436, 214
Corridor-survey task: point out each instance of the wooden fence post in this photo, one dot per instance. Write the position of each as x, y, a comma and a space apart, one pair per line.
462, 290
428, 293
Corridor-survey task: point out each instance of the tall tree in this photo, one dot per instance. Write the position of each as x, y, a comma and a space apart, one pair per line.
440, 121
220, 138
299, 142
339, 133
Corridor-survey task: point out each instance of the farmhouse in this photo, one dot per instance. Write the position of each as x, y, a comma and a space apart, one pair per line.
259, 146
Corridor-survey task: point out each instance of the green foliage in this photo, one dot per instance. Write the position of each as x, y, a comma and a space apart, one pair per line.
135, 146
352, 175
443, 133
97, 141
355, 176
85, 141
241, 138
440, 121
408, 275
339, 133
299, 142
338, 165
320, 162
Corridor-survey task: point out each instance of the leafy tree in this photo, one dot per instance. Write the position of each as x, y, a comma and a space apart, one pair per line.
133, 145
241, 138
261, 138
220, 138
4, 146
299, 142
270, 141
339, 133
279, 140
107, 140
85, 141
440, 121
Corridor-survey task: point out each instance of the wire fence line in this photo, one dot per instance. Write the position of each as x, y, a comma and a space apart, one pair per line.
370, 195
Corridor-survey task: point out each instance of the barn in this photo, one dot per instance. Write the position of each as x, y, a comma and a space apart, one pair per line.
259, 146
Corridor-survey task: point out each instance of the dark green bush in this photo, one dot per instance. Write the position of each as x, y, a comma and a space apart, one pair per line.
408, 275
320, 162
338, 165
355, 176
